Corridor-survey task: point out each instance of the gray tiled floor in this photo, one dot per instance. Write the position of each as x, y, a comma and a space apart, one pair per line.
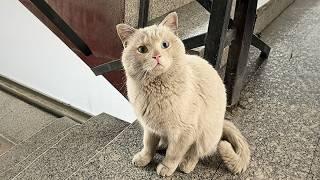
315, 168
114, 161
19, 120
36, 144
72, 151
5, 145
280, 114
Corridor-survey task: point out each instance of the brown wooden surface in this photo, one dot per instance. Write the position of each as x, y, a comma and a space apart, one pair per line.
94, 21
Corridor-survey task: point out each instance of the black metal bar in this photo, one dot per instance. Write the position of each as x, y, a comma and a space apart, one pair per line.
107, 67
195, 41
62, 26
262, 46
193, 52
218, 26
244, 19
198, 40
143, 13
205, 4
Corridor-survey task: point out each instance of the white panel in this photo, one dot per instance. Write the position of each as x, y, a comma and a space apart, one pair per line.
32, 55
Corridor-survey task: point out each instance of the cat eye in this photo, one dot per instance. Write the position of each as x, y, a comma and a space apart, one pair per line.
164, 45
142, 49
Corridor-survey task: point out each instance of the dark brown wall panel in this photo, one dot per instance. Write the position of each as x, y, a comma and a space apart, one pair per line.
94, 21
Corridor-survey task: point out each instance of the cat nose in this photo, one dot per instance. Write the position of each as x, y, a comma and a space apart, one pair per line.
157, 57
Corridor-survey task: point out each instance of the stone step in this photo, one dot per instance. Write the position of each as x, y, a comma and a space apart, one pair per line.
193, 20
39, 141
5, 144
157, 8
20, 120
269, 10
69, 153
114, 161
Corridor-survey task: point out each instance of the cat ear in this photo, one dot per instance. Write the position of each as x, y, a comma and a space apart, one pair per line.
171, 21
124, 32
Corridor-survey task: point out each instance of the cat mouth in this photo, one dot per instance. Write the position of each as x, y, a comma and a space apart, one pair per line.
158, 65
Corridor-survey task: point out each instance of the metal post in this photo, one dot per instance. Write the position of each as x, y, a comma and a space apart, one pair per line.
217, 29
244, 21
143, 13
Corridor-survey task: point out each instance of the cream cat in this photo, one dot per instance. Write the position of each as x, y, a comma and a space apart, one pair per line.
179, 99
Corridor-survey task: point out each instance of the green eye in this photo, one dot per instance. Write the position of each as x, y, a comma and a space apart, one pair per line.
142, 49
165, 45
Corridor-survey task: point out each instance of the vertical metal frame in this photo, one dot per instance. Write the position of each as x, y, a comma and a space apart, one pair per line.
217, 29
244, 21
143, 13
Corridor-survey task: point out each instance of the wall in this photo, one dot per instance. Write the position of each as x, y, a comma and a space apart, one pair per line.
33, 56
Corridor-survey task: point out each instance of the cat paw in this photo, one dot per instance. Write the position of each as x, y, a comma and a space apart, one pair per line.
164, 170
187, 166
141, 159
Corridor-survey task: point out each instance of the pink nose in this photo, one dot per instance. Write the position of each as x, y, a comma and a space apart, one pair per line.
157, 57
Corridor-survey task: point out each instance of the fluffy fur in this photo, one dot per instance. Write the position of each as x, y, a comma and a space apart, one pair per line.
179, 100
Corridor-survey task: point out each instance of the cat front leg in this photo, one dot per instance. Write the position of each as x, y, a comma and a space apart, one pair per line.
177, 148
150, 144
190, 160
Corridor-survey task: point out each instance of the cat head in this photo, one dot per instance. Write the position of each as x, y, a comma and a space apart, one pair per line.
153, 50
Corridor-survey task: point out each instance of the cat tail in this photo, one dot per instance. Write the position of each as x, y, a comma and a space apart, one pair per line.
234, 148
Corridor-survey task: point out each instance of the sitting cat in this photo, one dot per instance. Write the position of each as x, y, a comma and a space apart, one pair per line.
179, 99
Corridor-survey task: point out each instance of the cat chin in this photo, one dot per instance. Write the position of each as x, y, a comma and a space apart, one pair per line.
158, 69
156, 73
